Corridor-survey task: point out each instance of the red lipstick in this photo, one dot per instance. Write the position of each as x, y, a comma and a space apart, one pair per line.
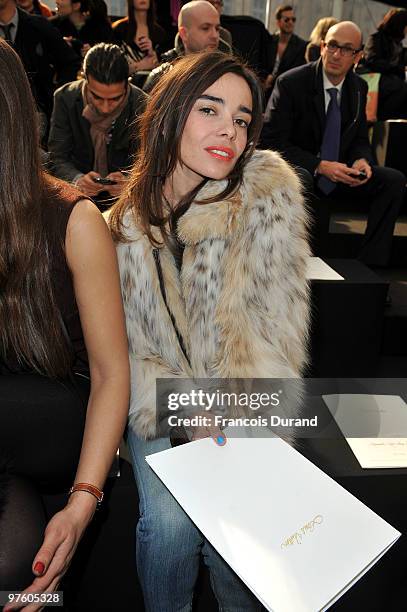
223, 153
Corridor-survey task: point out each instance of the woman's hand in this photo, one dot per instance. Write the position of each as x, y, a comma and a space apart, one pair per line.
208, 430
147, 63
120, 179
62, 536
145, 45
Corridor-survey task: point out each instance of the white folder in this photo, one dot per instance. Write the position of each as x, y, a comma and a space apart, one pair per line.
318, 269
375, 427
293, 535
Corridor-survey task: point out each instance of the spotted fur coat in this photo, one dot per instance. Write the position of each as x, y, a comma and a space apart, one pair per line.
241, 300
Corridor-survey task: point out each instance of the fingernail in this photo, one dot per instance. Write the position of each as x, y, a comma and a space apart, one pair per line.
39, 567
220, 440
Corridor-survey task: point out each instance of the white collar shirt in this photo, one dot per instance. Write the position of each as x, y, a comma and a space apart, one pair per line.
328, 85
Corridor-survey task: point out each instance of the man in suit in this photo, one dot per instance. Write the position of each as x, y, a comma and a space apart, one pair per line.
318, 122
286, 49
92, 137
46, 57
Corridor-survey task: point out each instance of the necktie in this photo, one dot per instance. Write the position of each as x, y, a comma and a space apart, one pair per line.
7, 32
332, 139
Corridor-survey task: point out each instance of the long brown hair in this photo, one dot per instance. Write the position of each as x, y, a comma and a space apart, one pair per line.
132, 27
161, 127
394, 22
30, 329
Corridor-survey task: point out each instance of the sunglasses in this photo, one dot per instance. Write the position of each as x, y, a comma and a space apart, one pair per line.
287, 19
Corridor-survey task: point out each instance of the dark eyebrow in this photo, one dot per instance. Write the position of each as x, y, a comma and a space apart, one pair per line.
100, 97
244, 109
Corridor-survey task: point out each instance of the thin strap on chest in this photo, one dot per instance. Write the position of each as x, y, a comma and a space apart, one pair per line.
156, 255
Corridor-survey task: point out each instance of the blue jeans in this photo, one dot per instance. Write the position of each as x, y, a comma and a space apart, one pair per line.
169, 545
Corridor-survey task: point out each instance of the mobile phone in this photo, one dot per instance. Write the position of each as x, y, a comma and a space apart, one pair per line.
104, 181
361, 176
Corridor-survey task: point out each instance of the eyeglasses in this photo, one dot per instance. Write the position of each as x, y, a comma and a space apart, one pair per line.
287, 19
345, 51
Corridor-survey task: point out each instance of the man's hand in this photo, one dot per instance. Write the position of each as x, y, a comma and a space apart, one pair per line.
361, 165
116, 190
88, 186
339, 173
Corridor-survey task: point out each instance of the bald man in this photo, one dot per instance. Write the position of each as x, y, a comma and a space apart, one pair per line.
198, 30
318, 122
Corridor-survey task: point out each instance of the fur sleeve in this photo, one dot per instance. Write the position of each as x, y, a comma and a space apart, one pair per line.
263, 314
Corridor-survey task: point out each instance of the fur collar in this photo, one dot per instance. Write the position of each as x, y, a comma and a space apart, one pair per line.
240, 302
264, 174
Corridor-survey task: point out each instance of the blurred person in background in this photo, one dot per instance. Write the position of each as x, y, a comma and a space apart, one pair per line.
48, 60
35, 7
224, 34
384, 53
198, 30
92, 137
141, 37
313, 51
83, 24
286, 49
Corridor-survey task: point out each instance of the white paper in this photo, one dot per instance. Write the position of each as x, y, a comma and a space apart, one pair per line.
375, 427
317, 269
292, 534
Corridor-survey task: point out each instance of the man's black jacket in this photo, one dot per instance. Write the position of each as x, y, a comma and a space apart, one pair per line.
297, 121
293, 56
70, 144
47, 58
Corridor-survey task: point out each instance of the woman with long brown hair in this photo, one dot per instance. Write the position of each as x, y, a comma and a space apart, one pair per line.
212, 254
140, 35
61, 320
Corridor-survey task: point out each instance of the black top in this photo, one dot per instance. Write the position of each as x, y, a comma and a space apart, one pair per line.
157, 35
62, 282
312, 52
293, 56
